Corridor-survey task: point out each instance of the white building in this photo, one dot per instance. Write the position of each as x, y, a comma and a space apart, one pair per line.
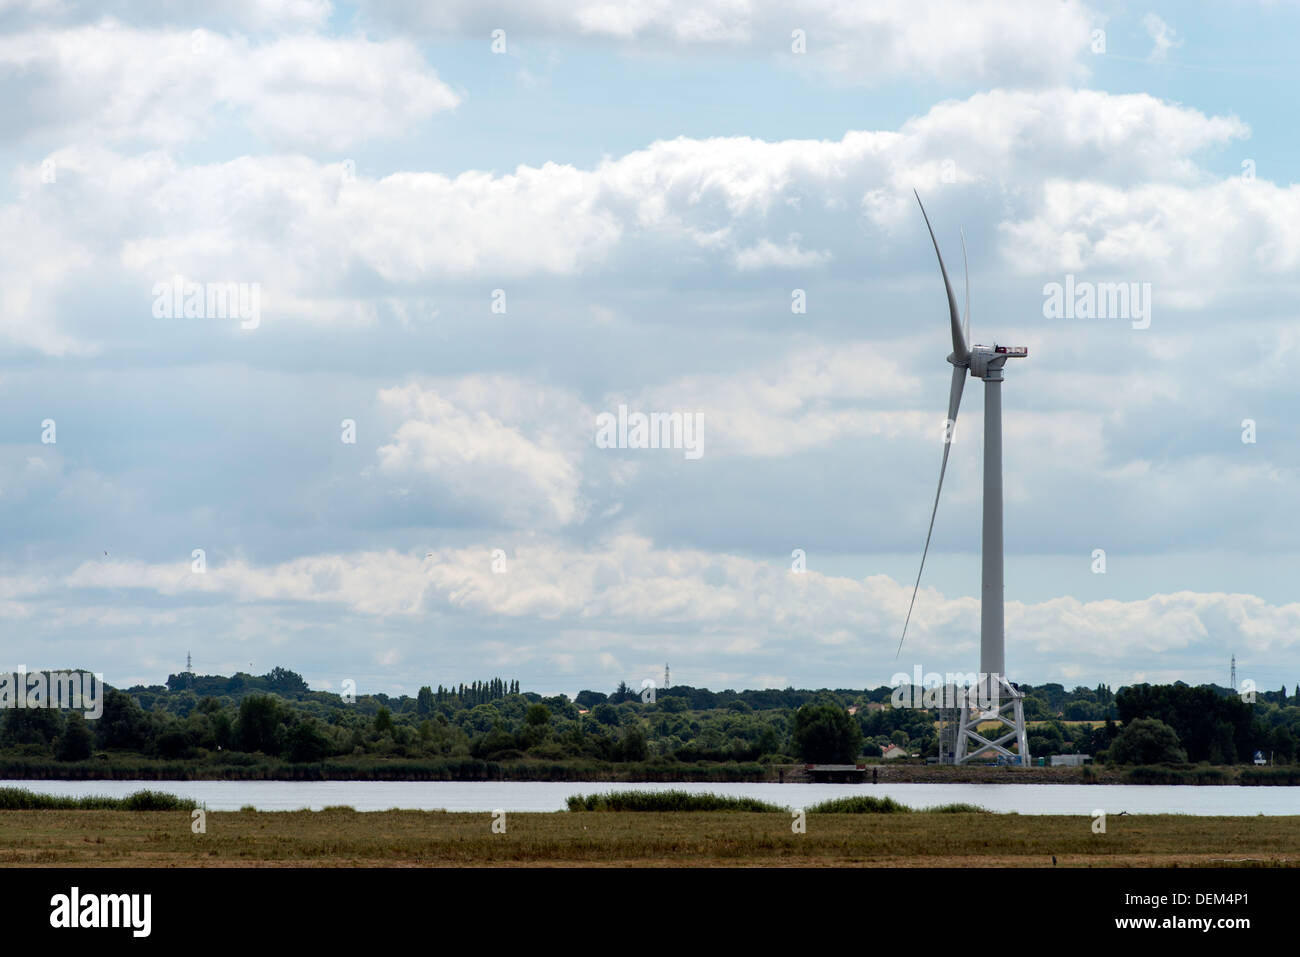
1070, 760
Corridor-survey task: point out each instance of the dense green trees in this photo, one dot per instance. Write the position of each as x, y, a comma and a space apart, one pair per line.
285, 682
259, 721
916, 725
1210, 726
34, 727
208, 717
1047, 738
123, 724
307, 742
826, 734
494, 744
587, 699
633, 746
1282, 744
77, 741
173, 744
1147, 741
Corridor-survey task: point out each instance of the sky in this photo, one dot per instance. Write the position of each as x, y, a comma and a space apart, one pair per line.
461, 235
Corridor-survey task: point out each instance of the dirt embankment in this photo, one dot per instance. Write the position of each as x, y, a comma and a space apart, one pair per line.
898, 773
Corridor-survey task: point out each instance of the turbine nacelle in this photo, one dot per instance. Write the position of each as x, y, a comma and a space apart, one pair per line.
986, 362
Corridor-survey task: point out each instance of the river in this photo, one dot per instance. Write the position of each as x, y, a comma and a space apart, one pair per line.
487, 796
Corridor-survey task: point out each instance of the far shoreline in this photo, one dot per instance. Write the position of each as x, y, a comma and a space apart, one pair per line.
257, 768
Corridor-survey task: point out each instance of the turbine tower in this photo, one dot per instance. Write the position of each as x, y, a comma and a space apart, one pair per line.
996, 695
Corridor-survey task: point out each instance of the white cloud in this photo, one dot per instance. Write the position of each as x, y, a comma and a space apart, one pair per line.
1196, 245
536, 220
245, 14
811, 398
300, 229
735, 606
33, 273
987, 42
994, 42
113, 83
469, 443
768, 255
1162, 36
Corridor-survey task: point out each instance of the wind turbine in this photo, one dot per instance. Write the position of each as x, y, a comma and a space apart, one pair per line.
980, 362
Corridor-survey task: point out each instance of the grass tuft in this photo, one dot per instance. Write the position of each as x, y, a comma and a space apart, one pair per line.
861, 804
20, 799
666, 801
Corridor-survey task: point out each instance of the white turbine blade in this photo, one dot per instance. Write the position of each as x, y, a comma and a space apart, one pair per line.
954, 403
960, 352
966, 272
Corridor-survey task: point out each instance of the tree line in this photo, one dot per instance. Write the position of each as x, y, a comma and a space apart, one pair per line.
276, 715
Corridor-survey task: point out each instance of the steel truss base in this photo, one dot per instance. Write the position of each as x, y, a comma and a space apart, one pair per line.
1007, 699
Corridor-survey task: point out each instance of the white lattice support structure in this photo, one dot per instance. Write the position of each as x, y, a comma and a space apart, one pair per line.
1007, 705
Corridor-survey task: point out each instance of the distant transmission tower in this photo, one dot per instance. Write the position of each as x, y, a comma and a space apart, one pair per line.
1233, 680
666, 673
189, 663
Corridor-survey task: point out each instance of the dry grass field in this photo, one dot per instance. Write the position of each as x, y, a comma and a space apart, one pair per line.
337, 838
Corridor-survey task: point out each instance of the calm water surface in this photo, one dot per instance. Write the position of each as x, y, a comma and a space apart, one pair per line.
550, 796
